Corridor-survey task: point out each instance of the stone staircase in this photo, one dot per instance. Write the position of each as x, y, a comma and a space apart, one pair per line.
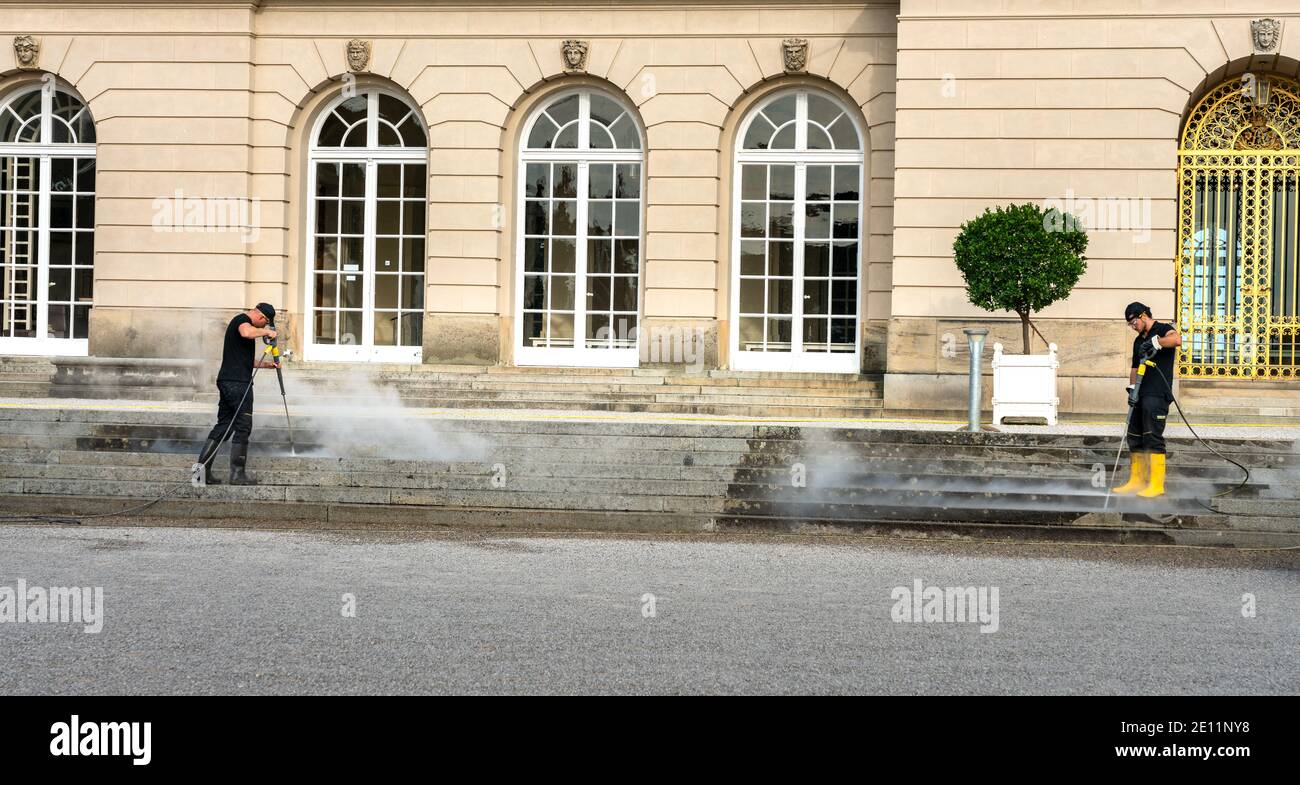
796, 396
736, 393
492, 469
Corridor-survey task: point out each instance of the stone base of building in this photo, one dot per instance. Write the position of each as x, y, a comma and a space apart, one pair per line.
679, 344
932, 392
464, 339
875, 346
929, 361
168, 332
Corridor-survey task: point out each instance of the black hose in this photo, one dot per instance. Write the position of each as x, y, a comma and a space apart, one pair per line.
1245, 470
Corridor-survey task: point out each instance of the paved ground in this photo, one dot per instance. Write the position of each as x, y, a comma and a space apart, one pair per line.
237, 611
270, 406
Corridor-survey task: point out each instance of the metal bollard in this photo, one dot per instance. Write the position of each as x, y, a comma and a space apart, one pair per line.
976, 338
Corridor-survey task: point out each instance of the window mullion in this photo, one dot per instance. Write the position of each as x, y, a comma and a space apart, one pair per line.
801, 121
584, 124
584, 129
800, 218
368, 256
47, 114
372, 124
43, 252
580, 286
309, 257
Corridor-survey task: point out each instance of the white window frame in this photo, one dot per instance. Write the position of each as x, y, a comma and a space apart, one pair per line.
45, 150
796, 360
578, 356
370, 156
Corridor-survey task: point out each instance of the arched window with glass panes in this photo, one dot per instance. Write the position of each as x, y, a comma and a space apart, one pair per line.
797, 239
579, 241
47, 221
368, 181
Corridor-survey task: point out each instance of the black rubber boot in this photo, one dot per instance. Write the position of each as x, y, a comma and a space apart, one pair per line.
206, 456
238, 460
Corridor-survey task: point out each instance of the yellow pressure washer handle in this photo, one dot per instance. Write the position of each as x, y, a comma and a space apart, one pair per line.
274, 351
1141, 373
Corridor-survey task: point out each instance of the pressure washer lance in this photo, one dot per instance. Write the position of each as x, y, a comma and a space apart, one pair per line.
1132, 404
274, 350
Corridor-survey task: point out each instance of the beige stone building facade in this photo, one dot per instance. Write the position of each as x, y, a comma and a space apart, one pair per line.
773, 185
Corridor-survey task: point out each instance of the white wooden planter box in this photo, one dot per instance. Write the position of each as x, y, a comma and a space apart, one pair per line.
1024, 385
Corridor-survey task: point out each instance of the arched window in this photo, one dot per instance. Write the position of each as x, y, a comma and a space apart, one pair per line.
47, 221
797, 239
368, 182
1238, 281
579, 244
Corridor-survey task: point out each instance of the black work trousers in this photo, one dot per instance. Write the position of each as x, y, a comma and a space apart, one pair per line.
230, 410
1146, 427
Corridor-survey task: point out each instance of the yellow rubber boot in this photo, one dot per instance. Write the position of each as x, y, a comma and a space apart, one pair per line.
1157, 486
1137, 475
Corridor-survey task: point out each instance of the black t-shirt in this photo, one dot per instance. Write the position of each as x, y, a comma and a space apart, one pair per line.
237, 356
1153, 383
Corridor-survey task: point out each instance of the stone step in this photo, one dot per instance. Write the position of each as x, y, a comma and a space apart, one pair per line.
635, 493
779, 442
772, 401
899, 476
11, 373
479, 477
865, 408
656, 387
406, 372
577, 377
717, 474
958, 506
882, 506
556, 499
663, 463
653, 479
271, 440
849, 507
575, 401
649, 390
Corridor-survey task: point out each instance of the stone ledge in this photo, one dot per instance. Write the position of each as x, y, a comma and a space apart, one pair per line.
72, 373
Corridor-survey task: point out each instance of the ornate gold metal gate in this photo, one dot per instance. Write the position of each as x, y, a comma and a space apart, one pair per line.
1239, 232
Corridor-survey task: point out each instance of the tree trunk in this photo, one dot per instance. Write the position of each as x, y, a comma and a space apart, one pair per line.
1024, 329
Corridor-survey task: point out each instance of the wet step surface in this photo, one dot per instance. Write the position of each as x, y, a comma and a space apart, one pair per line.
697, 476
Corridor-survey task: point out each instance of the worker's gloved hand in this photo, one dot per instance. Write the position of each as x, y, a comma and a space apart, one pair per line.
1149, 348
1132, 394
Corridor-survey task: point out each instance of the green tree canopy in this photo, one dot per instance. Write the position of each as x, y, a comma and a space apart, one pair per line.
1020, 258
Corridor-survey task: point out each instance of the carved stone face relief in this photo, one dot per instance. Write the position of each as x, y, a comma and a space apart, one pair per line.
795, 52
27, 51
575, 55
1265, 33
358, 54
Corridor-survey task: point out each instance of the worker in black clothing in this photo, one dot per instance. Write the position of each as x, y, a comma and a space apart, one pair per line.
235, 386
1158, 342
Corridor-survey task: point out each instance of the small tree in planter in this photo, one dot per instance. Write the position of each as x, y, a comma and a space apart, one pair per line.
1020, 258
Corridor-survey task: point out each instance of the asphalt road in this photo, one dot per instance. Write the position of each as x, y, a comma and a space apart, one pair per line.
213, 611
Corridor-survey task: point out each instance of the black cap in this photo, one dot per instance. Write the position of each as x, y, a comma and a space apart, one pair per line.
267, 310
1135, 310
